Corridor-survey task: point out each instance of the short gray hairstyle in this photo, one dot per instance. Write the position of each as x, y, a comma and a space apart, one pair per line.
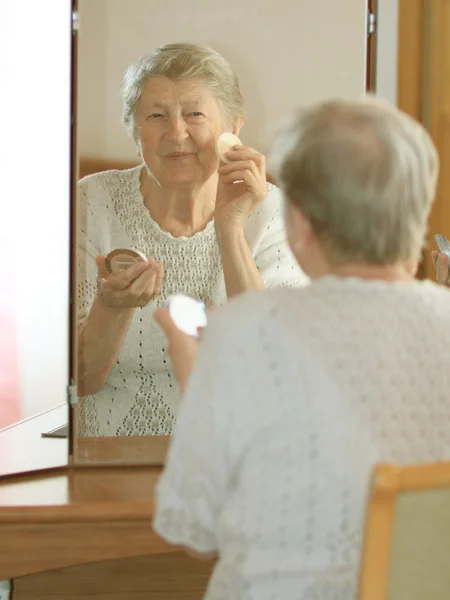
365, 176
183, 61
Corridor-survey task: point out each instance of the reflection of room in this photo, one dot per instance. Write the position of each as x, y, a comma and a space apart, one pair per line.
259, 44
132, 393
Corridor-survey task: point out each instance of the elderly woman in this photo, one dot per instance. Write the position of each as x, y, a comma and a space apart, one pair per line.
297, 394
209, 230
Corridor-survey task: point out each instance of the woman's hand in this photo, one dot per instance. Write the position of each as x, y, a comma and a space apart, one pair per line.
242, 185
182, 348
441, 266
136, 286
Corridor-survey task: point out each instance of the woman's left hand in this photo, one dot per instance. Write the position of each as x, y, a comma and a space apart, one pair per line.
441, 266
242, 185
182, 348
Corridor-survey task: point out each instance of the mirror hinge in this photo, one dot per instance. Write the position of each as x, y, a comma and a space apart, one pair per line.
371, 23
72, 394
75, 21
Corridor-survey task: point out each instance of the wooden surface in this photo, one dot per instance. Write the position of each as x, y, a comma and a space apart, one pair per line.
371, 52
424, 93
410, 80
162, 577
437, 113
87, 532
150, 450
410, 57
22, 449
104, 511
87, 165
75, 491
75, 517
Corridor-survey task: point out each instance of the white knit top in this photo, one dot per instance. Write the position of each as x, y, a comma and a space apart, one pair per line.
296, 396
141, 395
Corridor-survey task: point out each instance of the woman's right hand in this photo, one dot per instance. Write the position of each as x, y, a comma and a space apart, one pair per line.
132, 288
441, 266
182, 348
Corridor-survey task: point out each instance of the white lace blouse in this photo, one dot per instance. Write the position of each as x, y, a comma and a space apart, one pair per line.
141, 396
296, 396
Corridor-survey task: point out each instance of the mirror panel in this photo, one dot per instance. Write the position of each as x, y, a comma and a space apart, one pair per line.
35, 145
285, 55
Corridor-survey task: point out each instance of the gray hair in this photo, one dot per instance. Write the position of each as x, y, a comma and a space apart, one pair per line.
183, 61
364, 174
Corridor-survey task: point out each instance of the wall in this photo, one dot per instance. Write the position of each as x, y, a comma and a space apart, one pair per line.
92, 72
387, 52
34, 208
285, 53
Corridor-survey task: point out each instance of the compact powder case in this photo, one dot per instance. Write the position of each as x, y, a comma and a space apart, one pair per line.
119, 260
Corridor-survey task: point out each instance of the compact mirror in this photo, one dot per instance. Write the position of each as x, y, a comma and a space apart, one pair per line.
188, 314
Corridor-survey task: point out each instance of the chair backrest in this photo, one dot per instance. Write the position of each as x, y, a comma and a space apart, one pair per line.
406, 550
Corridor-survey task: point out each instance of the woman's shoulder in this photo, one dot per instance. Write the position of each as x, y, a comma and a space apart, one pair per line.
274, 196
110, 179
268, 214
100, 192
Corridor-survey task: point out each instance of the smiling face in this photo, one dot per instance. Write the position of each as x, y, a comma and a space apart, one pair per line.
177, 125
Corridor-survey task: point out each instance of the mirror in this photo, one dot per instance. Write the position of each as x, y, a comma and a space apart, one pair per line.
284, 55
35, 145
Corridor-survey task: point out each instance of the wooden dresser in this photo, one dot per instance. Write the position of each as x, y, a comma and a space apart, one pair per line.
71, 532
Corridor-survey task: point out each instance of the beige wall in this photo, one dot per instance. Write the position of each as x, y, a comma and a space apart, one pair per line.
285, 53
387, 53
92, 73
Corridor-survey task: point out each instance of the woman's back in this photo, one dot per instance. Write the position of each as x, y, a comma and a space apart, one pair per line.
311, 389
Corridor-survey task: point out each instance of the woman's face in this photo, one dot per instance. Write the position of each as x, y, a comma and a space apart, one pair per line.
177, 125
